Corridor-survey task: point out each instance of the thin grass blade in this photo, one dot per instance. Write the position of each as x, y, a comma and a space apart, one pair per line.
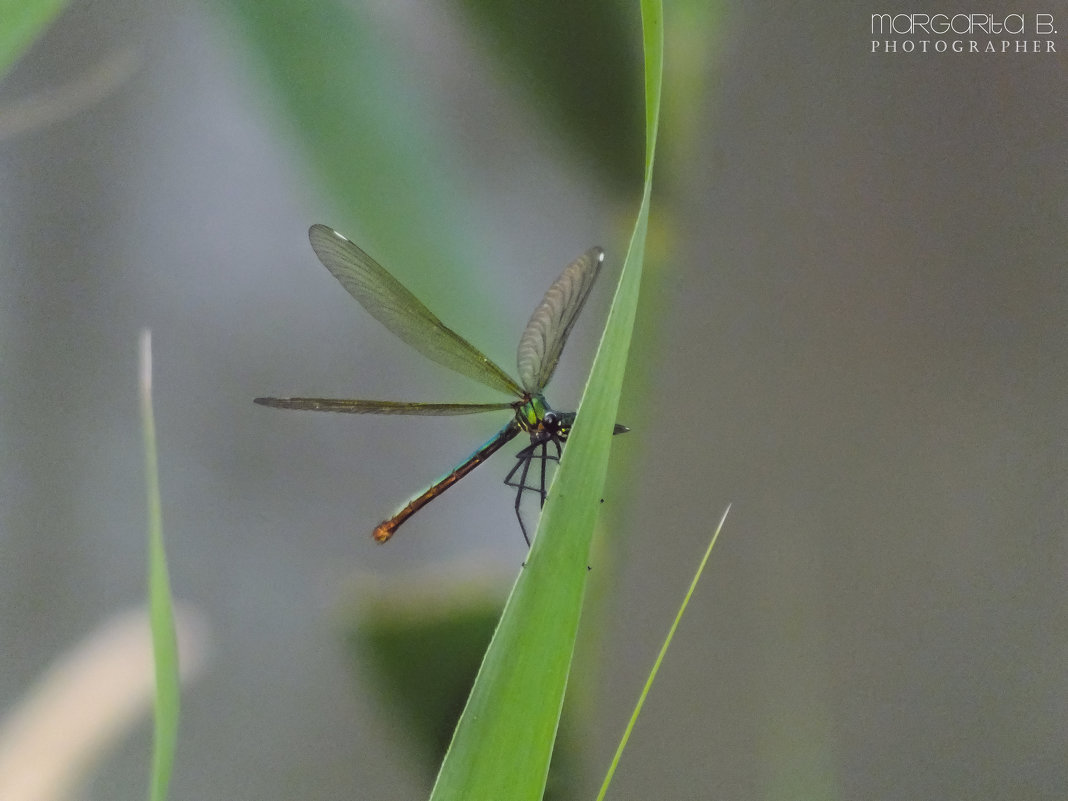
160, 606
660, 658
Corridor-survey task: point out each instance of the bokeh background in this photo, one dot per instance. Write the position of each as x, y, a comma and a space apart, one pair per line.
852, 328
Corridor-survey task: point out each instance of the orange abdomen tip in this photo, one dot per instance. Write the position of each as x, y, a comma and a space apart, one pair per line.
384, 530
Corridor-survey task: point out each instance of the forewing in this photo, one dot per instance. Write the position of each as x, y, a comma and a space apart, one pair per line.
401, 312
551, 322
379, 407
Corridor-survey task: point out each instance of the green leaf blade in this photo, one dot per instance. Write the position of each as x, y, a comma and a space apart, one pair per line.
160, 605
504, 740
23, 23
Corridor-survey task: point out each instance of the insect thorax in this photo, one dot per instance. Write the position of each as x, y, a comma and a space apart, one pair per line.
541, 421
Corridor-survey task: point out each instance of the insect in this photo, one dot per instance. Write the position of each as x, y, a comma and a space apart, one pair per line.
387, 300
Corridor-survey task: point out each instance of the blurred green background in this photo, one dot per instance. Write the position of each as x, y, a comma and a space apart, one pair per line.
853, 328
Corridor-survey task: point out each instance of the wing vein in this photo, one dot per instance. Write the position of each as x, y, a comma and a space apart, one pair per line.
550, 325
389, 302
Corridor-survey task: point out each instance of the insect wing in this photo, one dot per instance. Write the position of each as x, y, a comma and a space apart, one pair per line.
386, 299
551, 323
379, 407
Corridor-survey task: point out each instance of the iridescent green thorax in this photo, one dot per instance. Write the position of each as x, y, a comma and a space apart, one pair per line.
537, 417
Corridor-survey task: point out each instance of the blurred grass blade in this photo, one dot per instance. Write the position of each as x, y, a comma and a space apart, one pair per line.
660, 658
342, 89
56, 103
161, 612
504, 740
21, 24
583, 78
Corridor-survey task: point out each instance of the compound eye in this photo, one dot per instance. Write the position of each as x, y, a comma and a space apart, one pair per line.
551, 420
